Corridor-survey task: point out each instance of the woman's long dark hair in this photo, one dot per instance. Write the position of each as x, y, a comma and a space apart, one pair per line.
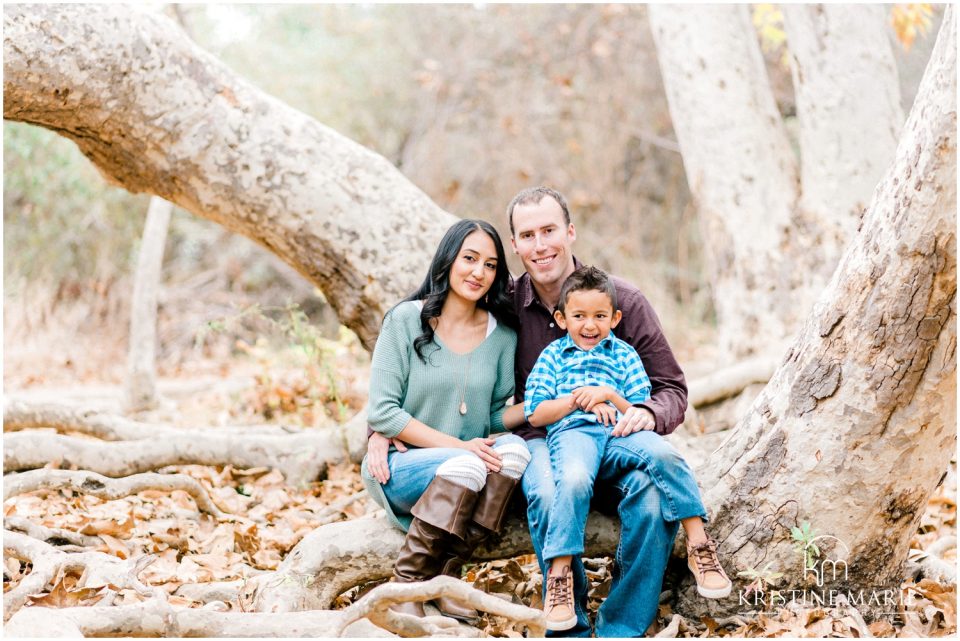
435, 287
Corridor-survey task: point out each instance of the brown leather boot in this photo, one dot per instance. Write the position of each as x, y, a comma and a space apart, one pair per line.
440, 517
488, 517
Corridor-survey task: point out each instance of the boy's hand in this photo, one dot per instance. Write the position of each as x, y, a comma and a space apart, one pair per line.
605, 413
588, 397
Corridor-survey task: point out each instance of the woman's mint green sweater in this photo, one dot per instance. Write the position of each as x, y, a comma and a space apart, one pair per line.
403, 387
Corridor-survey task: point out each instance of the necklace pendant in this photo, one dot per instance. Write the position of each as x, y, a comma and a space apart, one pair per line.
463, 408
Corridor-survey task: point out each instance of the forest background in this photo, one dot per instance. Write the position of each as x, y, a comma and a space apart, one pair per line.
471, 103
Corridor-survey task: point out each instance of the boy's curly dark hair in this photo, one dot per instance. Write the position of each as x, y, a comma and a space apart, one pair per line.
587, 279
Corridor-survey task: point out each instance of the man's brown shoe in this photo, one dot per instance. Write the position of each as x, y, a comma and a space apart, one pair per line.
712, 581
559, 610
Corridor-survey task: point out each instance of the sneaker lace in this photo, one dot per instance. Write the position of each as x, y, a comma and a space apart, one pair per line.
558, 589
705, 555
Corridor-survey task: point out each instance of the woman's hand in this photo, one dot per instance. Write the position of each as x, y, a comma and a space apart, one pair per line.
482, 447
377, 448
590, 396
606, 414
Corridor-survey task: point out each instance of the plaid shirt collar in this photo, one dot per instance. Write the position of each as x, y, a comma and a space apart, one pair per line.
568, 344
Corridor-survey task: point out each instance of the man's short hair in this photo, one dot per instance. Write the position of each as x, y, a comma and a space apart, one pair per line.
532, 196
587, 279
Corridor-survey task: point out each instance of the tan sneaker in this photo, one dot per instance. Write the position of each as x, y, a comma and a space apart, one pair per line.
559, 605
712, 581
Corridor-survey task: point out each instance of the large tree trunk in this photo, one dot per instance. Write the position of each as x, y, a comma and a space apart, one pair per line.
857, 425
774, 243
140, 388
739, 165
848, 108
157, 114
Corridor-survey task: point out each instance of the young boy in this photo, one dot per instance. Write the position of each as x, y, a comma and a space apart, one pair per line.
578, 388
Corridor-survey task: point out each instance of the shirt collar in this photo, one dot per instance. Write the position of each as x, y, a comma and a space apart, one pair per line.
568, 344
525, 283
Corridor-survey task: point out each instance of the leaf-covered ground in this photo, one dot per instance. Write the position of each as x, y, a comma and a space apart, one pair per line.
192, 548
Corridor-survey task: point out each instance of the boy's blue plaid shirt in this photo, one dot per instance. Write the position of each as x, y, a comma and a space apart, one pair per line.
563, 367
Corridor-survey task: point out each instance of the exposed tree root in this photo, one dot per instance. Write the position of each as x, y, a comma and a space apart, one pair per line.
301, 455
109, 489
301, 458
336, 557
77, 542
156, 618
24, 414
98, 569
932, 566
374, 606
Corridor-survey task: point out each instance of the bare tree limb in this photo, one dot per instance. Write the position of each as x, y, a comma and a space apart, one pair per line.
22, 414
383, 596
109, 489
98, 569
156, 618
731, 380
78, 541
183, 126
300, 458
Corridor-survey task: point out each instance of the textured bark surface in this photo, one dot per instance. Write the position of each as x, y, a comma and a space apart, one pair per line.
157, 114
140, 388
855, 428
739, 166
848, 108
336, 557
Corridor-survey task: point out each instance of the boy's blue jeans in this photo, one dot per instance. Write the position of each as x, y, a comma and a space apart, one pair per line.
654, 489
575, 453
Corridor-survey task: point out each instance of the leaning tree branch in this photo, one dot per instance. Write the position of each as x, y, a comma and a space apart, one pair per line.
157, 114
98, 569
109, 489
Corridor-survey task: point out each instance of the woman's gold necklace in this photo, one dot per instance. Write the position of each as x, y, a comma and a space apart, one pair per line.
463, 386
463, 380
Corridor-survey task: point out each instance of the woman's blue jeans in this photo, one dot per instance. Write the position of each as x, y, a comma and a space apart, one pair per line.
412, 471
655, 489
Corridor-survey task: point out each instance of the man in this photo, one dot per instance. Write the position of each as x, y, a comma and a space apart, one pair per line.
542, 236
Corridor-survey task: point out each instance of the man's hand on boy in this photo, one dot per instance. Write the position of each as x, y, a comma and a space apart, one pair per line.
635, 419
605, 413
589, 396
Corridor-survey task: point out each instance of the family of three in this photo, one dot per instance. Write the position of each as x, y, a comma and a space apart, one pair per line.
595, 389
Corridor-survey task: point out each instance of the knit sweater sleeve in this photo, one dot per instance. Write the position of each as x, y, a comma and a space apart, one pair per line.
503, 389
389, 371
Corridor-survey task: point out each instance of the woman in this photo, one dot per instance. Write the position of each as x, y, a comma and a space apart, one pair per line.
441, 375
